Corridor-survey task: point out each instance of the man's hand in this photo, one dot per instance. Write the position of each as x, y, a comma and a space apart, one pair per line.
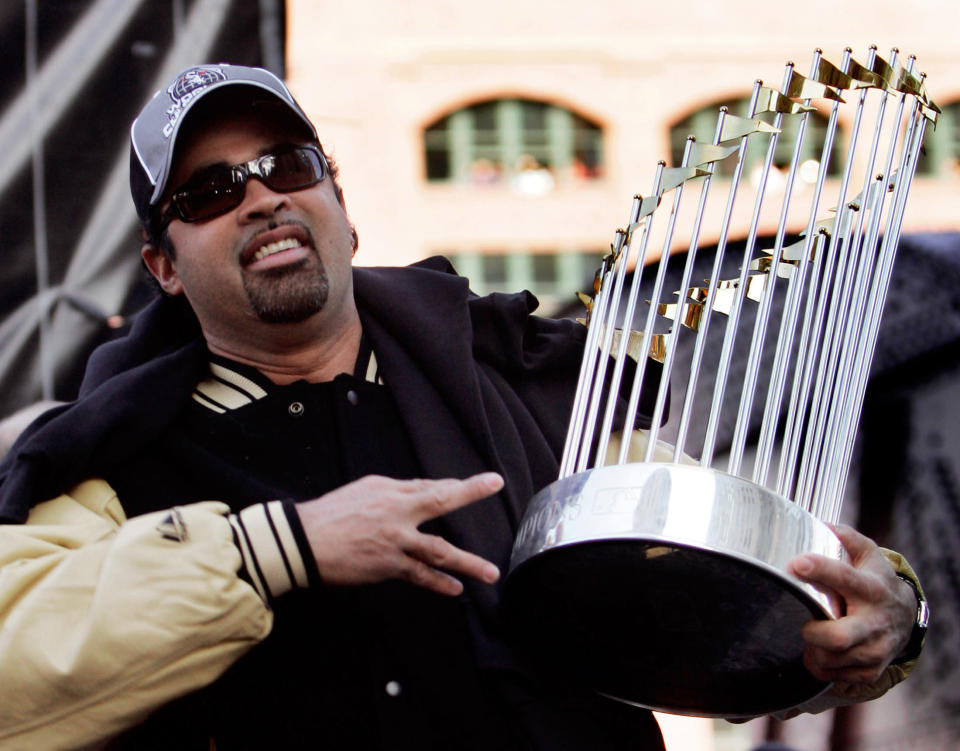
881, 610
366, 532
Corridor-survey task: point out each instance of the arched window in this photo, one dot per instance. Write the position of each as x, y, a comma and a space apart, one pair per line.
529, 144
702, 124
941, 147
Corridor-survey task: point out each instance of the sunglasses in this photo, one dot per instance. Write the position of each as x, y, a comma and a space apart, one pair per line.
221, 188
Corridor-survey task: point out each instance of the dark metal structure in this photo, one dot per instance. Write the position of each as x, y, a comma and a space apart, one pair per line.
75, 74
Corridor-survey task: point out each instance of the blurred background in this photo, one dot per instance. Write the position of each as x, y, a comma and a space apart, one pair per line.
509, 136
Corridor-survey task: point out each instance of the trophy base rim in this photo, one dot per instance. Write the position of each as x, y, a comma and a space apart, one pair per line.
624, 583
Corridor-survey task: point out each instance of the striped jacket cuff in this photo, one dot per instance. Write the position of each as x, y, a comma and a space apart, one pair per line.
276, 554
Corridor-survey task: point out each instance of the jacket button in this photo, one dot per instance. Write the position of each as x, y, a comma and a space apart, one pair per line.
295, 409
393, 688
353, 398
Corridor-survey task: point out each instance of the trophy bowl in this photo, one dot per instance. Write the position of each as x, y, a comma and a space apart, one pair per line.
665, 586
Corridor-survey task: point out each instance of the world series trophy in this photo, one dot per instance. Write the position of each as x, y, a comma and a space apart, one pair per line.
661, 579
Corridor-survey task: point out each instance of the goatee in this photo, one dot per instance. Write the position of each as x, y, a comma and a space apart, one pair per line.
288, 294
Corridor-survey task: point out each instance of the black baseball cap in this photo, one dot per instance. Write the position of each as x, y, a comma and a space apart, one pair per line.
153, 134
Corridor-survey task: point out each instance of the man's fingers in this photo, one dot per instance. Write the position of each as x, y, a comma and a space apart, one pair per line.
836, 636
434, 498
858, 546
366, 532
439, 554
428, 554
861, 664
420, 574
839, 576
827, 667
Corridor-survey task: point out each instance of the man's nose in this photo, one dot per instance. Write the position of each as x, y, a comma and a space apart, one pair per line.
260, 201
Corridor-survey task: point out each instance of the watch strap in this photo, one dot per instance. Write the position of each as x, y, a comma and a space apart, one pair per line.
920, 624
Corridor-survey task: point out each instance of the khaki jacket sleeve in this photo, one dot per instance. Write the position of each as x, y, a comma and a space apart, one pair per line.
104, 619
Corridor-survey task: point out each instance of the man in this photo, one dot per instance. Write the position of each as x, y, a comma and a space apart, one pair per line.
257, 563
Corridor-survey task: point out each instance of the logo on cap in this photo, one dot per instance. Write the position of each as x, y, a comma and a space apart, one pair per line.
185, 88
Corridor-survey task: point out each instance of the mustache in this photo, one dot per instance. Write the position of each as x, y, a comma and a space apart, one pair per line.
243, 245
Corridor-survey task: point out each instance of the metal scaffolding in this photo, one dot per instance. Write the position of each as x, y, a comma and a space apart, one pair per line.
92, 265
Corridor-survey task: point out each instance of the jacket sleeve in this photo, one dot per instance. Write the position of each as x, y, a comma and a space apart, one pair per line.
104, 619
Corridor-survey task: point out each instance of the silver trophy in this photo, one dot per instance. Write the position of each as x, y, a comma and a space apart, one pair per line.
653, 570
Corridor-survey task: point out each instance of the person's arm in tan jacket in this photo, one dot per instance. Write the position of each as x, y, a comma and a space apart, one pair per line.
104, 619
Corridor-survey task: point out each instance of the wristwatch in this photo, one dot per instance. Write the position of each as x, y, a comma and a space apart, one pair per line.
912, 650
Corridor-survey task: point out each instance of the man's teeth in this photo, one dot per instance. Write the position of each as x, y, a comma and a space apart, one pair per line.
271, 248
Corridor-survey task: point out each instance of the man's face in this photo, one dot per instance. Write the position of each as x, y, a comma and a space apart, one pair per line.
275, 258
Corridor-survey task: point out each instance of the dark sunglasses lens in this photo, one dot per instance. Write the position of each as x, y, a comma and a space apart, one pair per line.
292, 170
217, 192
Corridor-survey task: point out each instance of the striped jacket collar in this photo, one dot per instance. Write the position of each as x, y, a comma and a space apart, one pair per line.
230, 385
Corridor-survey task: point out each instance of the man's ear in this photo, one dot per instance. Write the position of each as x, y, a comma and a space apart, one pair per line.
161, 266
